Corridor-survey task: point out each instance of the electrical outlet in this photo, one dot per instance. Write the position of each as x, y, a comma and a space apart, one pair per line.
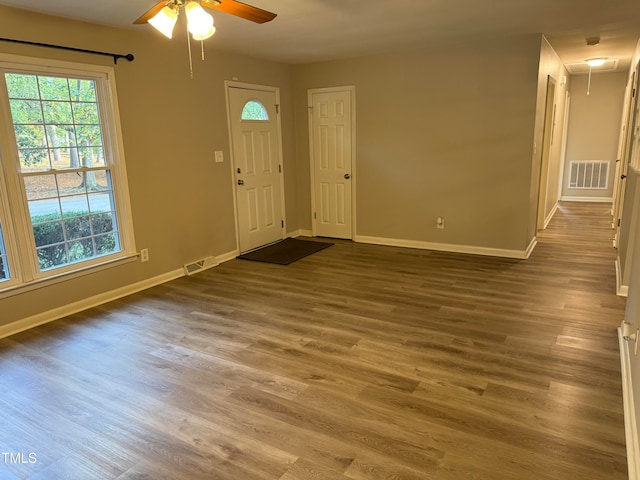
440, 222
144, 255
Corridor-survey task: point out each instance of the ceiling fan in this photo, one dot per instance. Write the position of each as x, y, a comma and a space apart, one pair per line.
239, 9
164, 15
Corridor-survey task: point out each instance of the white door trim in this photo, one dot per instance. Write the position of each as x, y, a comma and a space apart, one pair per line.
228, 84
352, 91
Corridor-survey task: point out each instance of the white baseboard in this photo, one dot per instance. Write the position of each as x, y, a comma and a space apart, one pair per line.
225, 257
630, 424
567, 198
621, 290
551, 214
84, 304
449, 247
300, 233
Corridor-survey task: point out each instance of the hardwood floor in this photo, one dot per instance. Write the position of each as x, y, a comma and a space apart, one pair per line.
359, 362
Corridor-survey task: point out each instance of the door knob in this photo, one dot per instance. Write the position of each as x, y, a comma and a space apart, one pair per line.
240, 182
347, 176
622, 177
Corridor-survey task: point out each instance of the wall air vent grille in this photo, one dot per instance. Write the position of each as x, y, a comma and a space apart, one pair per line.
195, 267
589, 174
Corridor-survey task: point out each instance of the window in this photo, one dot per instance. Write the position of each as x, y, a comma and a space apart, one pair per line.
254, 110
69, 202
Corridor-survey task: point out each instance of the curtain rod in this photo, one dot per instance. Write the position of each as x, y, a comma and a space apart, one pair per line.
116, 56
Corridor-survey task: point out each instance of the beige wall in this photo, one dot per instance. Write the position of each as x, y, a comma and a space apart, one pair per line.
594, 125
445, 130
181, 200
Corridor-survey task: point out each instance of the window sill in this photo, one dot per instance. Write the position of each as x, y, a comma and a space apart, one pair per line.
64, 277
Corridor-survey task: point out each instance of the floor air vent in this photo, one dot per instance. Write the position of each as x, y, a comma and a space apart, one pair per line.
200, 265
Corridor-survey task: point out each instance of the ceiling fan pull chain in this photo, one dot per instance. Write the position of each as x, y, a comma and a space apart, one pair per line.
202, 49
190, 60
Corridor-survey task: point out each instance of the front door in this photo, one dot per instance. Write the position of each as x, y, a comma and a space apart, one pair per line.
331, 145
254, 122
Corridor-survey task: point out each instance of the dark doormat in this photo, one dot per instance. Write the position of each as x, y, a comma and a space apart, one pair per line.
285, 251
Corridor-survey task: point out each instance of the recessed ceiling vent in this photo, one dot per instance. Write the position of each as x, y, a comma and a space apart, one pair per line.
582, 68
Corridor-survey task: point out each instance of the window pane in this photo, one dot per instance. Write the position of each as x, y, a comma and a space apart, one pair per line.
53, 88
78, 227
64, 158
254, 110
60, 136
91, 157
86, 113
103, 180
52, 256
41, 186
44, 210
106, 244
89, 136
74, 206
70, 183
57, 113
48, 233
103, 222
30, 136
82, 90
81, 250
22, 86
100, 202
34, 159
26, 111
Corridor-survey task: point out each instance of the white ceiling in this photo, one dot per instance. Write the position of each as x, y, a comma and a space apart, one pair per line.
317, 30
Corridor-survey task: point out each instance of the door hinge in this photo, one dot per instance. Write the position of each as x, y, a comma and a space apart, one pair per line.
277, 108
315, 216
280, 168
282, 223
618, 222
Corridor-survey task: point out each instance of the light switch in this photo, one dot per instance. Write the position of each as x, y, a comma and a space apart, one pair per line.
219, 156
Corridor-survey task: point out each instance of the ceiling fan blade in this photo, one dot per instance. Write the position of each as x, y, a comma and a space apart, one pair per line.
240, 9
150, 13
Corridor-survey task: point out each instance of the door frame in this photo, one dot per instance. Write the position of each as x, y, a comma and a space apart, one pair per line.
228, 84
352, 95
545, 154
624, 152
565, 136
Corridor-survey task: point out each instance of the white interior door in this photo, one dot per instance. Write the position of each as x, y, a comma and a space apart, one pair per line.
257, 167
331, 143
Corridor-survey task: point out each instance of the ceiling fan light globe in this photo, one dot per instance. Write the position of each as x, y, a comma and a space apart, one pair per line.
199, 22
208, 34
164, 21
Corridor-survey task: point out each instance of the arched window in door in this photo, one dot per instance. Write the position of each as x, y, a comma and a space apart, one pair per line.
254, 110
